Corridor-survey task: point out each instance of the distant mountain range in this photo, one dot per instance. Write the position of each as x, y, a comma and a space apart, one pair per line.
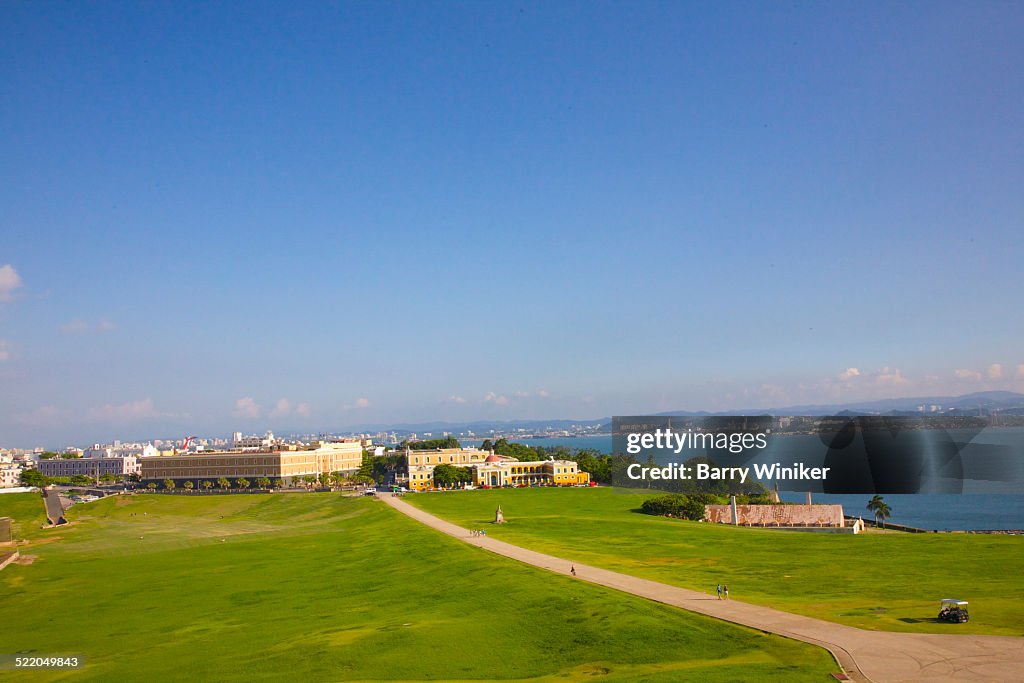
982, 402
985, 402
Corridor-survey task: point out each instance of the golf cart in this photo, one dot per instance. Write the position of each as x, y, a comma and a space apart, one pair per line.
954, 611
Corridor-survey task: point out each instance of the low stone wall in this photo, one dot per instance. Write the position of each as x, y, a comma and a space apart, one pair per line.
777, 515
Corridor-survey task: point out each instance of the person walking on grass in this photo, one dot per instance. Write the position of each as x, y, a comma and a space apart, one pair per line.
719, 590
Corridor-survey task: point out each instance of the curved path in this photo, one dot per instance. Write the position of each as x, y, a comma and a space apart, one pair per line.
876, 656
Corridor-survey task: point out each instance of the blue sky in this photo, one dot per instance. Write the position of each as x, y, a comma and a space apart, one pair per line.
252, 215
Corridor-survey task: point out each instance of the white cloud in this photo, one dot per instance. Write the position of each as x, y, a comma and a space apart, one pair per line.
105, 325
9, 281
303, 410
41, 416
246, 407
995, 371
887, 376
543, 393
132, 410
848, 374
962, 373
1020, 371
281, 408
362, 403
458, 400
5, 350
496, 399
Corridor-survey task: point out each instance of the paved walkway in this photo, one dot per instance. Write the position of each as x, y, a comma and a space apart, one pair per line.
54, 506
877, 656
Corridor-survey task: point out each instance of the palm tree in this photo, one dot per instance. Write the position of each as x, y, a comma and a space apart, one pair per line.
188, 485
169, 484
263, 482
207, 484
223, 483
278, 483
880, 508
242, 483
151, 486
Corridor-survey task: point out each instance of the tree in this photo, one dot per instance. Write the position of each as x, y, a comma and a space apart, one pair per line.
263, 483
324, 478
33, 477
680, 505
432, 444
80, 479
278, 483
519, 451
880, 508
450, 475
366, 466
188, 485
70, 456
309, 480
242, 483
486, 445
169, 484
151, 486
207, 484
223, 483
108, 478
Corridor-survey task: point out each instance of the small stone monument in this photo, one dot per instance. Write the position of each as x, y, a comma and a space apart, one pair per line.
499, 518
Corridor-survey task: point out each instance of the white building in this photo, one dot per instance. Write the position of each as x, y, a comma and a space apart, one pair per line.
10, 475
253, 443
121, 450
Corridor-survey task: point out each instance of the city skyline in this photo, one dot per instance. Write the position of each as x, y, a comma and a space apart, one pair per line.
254, 216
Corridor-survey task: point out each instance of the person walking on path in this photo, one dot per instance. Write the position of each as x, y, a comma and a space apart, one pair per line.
725, 589
719, 589
572, 570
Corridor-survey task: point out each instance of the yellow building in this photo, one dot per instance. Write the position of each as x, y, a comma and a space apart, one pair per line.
489, 469
316, 459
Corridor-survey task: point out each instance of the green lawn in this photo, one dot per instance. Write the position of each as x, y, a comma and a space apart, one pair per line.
316, 587
879, 581
27, 511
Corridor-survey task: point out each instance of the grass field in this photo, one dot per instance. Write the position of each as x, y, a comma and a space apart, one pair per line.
879, 581
318, 587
